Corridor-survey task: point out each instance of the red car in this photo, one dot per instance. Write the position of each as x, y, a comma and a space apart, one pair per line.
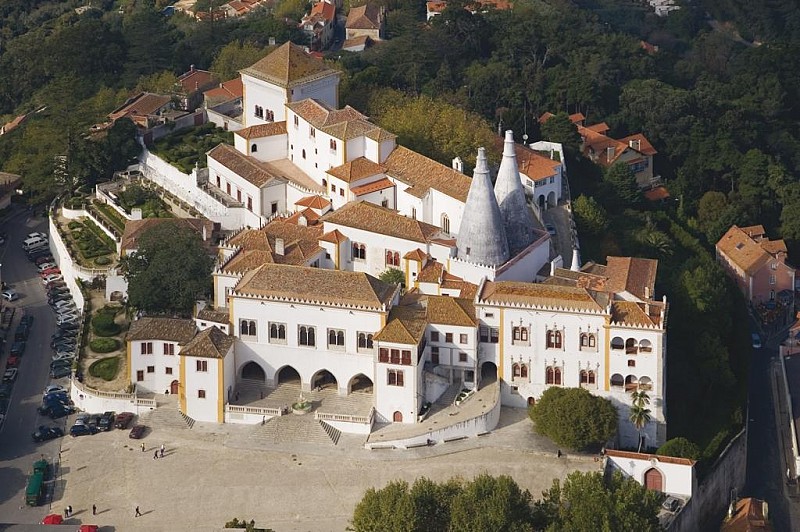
48, 271
12, 362
123, 419
137, 432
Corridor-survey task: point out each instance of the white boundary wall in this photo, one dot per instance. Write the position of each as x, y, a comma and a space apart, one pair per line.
90, 400
69, 270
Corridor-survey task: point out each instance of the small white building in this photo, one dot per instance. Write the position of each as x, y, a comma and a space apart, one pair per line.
153, 347
665, 474
207, 375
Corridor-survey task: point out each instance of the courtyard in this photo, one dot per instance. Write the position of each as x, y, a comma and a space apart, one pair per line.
213, 473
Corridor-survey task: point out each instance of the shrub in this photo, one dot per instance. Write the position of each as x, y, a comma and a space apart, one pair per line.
679, 448
102, 261
104, 345
575, 418
103, 325
74, 225
105, 368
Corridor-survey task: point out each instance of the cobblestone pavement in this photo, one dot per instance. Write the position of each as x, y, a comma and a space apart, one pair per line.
213, 473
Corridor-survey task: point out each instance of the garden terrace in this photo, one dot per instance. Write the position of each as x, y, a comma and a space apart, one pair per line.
87, 243
186, 149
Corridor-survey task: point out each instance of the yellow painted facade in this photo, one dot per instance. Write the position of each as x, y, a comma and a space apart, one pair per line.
220, 390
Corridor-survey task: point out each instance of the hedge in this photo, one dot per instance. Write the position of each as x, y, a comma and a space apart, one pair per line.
105, 368
104, 325
104, 345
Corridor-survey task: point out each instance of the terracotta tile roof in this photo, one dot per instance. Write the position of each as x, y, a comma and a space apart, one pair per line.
596, 146
754, 231
576, 117
357, 42
325, 9
135, 228
288, 66
423, 174
639, 143
316, 286
314, 202
286, 169
380, 134
307, 215
435, 6
444, 310
416, 254
431, 272
300, 244
408, 320
644, 456
633, 313
366, 17
545, 117
169, 329
633, 275
601, 128
657, 194
262, 130
468, 290
208, 343
195, 80
751, 515
534, 165
745, 252
9, 179
143, 104
375, 186
227, 90
356, 169
217, 316
511, 292
242, 165
334, 236
405, 325
370, 217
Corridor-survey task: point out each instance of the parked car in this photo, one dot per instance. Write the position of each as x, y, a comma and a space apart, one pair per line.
27, 319
756, 341
52, 278
106, 421
12, 362
46, 266
57, 411
42, 258
35, 234
137, 432
551, 229
64, 303
44, 433
21, 334
56, 398
56, 290
50, 271
123, 420
53, 388
60, 372
65, 347
82, 430
69, 327
9, 294
10, 375
17, 348
5, 389
68, 357
67, 319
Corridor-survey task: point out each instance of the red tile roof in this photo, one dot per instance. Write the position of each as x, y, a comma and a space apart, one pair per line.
228, 90
262, 130
380, 184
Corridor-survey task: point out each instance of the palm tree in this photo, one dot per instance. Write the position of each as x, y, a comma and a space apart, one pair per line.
640, 415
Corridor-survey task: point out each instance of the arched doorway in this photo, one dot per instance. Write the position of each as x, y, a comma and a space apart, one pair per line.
542, 205
360, 384
653, 480
397, 417
323, 379
252, 371
173, 387
531, 401
287, 374
551, 199
488, 373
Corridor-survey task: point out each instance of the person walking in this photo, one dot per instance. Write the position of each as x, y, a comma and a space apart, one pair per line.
162, 449
94, 509
69, 511
142, 446
138, 513
155, 455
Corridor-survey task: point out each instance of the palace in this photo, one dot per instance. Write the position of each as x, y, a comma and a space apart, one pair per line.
327, 202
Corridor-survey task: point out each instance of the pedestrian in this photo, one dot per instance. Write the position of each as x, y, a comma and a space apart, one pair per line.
558, 453
138, 513
161, 455
142, 446
69, 511
94, 509
237, 396
155, 455
66, 513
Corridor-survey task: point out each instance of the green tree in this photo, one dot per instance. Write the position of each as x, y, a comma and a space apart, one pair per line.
639, 413
623, 183
169, 270
235, 56
559, 128
586, 502
491, 503
679, 448
590, 216
575, 418
393, 276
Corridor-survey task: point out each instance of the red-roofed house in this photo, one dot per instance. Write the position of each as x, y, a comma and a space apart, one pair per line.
756, 263
318, 24
191, 85
368, 20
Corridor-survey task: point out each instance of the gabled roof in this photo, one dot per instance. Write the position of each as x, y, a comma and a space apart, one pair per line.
316, 286
358, 168
366, 17
639, 143
195, 80
314, 202
455, 311
542, 295
326, 10
750, 515
258, 246
143, 104
422, 174
248, 168
374, 218
262, 130
288, 66
335, 236
217, 316
208, 343
405, 325
168, 329
533, 165
343, 124
416, 254
748, 248
636, 314
632, 275
650, 457
380, 184
135, 228
227, 90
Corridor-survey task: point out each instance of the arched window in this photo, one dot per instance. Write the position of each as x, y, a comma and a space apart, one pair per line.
325, 184
554, 339
331, 337
307, 336
515, 370
617, 380
254, 148
247, 328
243, 327
445, 223
631, 346
617, 343
592, 341
592, 377
523, 371
584, 340
282, 332
548, 376
584, 376
645, 346
557, 377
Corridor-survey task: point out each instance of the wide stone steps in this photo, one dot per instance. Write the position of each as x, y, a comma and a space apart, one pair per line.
294, 429
333, 433
167, 416
447, 398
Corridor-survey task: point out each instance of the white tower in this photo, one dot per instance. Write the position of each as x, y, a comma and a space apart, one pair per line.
517, 216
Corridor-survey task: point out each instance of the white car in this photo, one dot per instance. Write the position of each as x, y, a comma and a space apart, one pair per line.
10, 375
63, 356
53, 388
67, 318
46, 266
9, 294
35, 234
64, 304
52, 277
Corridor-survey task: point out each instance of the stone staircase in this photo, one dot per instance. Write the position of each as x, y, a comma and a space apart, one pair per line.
167, 416
251, 388
447, 398
296, 429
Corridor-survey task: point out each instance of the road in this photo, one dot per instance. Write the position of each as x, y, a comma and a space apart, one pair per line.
766, 466
17, 451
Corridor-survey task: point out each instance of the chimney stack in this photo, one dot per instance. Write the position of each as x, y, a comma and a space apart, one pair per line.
279, 246
576, 260
610, 153
458, 165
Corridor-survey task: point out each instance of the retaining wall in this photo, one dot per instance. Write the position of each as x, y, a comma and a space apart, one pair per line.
90, 400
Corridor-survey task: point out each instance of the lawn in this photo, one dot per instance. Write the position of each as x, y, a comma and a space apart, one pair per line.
105, 368
186, 148
136, 196
90, 240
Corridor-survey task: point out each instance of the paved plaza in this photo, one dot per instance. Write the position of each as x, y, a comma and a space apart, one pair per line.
213, 473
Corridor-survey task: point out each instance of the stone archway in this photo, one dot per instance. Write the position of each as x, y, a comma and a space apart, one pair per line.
173, 387
488, 373
287, 374
531, 401
254, 372
360, 384
653, 479
551, 199
541, 202
323, 379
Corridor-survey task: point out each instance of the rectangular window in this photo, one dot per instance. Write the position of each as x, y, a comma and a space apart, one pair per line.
434, 336
238, 195
296, 121
335, 339
341, 192
448, 337
228, 188
201, 394
519, 335
489, 334
202, 365
312, 132
147, 348
406, 358
434, 356
484, 334
394, 377
333, 188
383, 355
395, 356
771, 279
462, 357
139, 376
631, 363
392, 258
249, 203
463, 339
169, 349
333, 145
277, 333
307, 336
168, 371
151, 369
273, 207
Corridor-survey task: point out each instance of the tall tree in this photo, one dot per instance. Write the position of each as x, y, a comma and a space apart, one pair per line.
639, 413
574, 417
623, 184
559, 128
